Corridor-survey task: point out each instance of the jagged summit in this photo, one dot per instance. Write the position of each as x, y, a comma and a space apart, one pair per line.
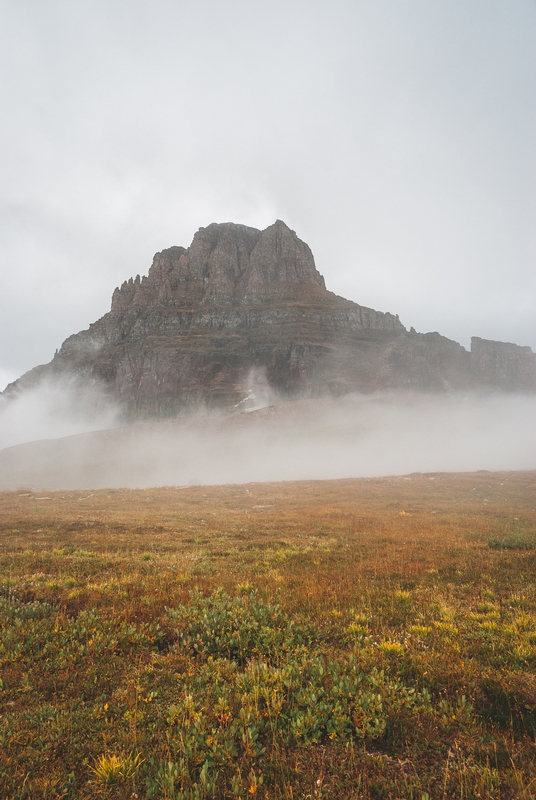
241, 302
228, 265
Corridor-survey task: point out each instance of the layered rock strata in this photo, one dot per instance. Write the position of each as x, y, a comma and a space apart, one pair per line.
242, 305
502, 365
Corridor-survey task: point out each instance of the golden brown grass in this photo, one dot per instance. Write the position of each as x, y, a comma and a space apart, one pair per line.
424, 581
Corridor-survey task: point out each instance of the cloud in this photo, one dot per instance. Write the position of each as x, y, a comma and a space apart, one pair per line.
54, 409
356, 436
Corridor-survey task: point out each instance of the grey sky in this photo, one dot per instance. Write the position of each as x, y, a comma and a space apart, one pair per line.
397, 137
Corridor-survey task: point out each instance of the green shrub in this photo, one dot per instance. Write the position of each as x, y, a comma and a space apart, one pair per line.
512, 542
235, 627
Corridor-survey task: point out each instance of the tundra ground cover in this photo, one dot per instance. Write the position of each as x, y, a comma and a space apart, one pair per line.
342, 639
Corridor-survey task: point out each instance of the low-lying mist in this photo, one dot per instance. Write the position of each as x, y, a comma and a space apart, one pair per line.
53, 409
354, 436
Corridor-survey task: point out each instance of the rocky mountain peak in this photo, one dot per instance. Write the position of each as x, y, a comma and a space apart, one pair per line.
241, 303
282, 267
228, 265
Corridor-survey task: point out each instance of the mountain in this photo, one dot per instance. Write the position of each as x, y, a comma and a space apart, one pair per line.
242, 311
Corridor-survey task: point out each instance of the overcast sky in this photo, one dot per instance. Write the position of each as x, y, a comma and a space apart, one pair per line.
396, 137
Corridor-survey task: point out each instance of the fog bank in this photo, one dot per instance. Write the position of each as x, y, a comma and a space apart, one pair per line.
356, 436
53, 409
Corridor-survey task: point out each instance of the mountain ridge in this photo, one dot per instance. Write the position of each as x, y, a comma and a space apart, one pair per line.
240, 302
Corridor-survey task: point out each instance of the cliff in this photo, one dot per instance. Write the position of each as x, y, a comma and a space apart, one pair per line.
502, 365
240, 303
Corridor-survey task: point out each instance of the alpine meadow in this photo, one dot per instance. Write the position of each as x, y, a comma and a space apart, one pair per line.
360, 638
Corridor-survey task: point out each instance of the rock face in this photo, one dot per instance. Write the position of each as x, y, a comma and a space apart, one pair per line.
500, 365
242, 305
227, 266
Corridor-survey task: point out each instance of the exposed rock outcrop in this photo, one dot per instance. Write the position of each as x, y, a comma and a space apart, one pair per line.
227, 265
241, 302
502, 365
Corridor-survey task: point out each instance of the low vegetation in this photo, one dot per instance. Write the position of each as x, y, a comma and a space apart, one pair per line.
342, 639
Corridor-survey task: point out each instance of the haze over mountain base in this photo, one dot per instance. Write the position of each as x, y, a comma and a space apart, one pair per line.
356, 436
189, 334
241, 320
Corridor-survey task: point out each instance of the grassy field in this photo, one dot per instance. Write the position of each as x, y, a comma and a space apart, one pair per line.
340, 639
